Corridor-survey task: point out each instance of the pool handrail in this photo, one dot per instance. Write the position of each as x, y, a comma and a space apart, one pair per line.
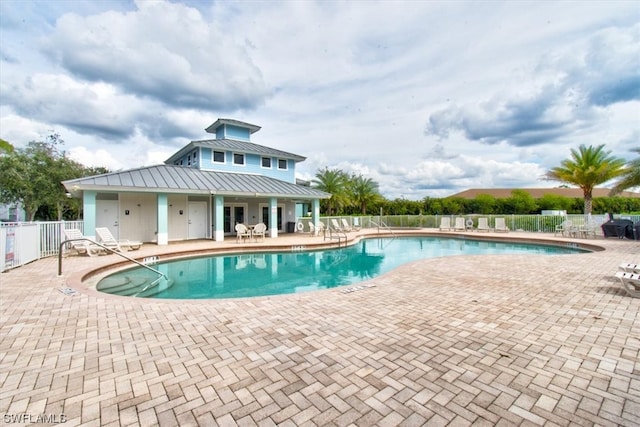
107, 249
339, 235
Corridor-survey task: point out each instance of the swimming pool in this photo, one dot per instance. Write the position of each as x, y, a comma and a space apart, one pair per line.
274, 273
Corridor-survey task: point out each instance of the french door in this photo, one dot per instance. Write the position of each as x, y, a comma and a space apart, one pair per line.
234, 214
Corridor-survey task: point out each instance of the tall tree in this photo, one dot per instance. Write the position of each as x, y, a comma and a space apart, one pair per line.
32, 176
587, 168
332, 181
364, 192
630, 178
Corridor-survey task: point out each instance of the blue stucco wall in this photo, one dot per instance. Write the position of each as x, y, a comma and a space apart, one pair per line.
233, 132
253, 164
189, 160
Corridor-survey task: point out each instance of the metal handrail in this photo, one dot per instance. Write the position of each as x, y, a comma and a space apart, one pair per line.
107, 249
150, 285
338, 236
383, 226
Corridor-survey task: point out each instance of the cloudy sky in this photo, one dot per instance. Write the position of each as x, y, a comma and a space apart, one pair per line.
427, 98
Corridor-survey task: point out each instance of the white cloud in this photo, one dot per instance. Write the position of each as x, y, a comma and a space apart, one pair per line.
427, 98
164, 51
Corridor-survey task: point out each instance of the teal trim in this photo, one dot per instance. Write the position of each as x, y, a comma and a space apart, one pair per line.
89, 213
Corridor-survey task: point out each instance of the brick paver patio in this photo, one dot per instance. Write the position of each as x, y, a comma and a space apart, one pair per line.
473, 340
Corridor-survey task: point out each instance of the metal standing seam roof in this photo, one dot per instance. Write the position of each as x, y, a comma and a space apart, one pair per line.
243, 147
178, 179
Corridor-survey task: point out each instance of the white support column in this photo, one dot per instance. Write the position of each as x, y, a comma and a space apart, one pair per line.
273, 217
315, 216
218, 216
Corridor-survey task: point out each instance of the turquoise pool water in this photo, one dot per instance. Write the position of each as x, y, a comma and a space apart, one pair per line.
274, 273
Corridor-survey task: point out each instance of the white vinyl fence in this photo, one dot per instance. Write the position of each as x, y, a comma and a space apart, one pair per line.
526, 223
24, 242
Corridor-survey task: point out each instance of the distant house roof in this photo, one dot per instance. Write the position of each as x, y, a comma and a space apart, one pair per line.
537, 193
212, 128
234, 145
177, 179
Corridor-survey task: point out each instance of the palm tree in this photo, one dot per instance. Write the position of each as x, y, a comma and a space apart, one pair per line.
588, 167
630, 176
364, 191
332, 181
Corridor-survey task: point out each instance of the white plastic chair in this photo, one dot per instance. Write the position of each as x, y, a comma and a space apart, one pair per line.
501, 226
242, 232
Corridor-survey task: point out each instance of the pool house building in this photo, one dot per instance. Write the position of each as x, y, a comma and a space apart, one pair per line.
201, 191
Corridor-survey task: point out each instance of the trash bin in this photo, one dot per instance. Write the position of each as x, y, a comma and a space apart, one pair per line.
291, 227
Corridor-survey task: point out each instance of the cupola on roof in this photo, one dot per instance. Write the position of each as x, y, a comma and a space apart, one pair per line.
221, 122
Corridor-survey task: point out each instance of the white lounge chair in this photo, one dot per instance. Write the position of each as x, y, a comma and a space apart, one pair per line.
483, 224
347, 227
630, 283
445, 223
629, 268
501, 226
259, 231
242, 232
106, 238
81, 246
336, 226
460, 224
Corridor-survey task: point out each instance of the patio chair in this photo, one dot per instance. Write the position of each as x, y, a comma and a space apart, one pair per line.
242, 232
501, 226
564, 227
336, 226
259, 231
347, 227
81, 246
321, 229
483, 224
459, 224
445, 223
629, 268
316, 231
630, 283
107, 239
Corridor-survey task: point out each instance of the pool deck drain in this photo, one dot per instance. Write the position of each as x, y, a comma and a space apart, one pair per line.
468, 340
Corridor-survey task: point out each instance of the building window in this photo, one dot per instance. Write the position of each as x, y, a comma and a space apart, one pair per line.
238, 159
282, 164
266, 162
218, 157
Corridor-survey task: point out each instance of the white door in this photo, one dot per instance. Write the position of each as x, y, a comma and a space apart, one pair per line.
107, 215
197, 220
